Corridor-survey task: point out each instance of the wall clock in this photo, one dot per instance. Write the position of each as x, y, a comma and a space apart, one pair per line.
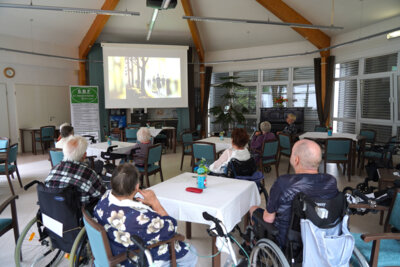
9, 72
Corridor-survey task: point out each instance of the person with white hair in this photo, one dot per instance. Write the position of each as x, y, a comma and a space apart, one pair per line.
73, 172
259, 138
141, 148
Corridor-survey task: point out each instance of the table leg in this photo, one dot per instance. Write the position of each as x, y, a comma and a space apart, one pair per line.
216, 261
21, 138
188, 230
174, 139
33, 142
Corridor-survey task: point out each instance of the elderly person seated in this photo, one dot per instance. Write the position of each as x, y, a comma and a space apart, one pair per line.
65, 132
123, 215
240, 138
259, 138
141, 148
290, 127
73, 172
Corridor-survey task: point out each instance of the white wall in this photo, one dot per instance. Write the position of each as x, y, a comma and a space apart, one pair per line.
376, 46
34, 70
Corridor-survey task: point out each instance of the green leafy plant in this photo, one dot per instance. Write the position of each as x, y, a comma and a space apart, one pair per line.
202, 165
229, 111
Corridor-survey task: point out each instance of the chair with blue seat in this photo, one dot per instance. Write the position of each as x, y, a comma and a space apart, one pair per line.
7, 224
101, 250
10, 165
384, 250
338, 150
152, 163
320, 128
134, 125
197, 134
370, 136
46, 137
203, 150
4, 143
269, 155
131, 135
56, 155
285, 147
187, 141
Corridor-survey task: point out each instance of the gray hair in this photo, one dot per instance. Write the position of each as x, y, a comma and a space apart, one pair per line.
64, 124
143, 135
75, 148
309, 153
265, 126
124, 180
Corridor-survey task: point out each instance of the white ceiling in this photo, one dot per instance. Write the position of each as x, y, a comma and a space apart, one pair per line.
69, 29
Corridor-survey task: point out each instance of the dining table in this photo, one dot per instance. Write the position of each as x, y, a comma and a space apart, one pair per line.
220, 143
33, 131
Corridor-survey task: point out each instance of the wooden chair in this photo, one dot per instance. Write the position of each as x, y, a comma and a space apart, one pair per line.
10, 165
269, 155
338, 150
384, 250
285, 147
100, 245
4, 143
187, 141
152, 163
46, 137
203, 150
7, 224
131, 135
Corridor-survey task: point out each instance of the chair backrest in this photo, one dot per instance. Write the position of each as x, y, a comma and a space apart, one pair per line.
270, 149
239, 125
198, 127
12, 153
187, 137
154, 154
47, 132
98, 240
320, 128
56, 156
370, 135
284, 141
4, 143
134, 125
338, 146
131, 134
394, 218
204, 150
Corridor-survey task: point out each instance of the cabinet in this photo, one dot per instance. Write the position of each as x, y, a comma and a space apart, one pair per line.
277, 117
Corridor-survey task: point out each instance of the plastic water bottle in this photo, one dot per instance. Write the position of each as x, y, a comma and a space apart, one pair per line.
201, 178
109, 142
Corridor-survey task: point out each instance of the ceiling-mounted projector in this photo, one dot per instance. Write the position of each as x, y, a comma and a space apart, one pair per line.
161, 4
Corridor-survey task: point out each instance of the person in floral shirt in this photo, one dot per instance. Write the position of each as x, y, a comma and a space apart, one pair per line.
124, 216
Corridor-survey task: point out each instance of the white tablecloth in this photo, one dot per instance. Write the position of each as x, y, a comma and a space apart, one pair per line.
154, 132
96, 149
220, 145
321, 135
226, 199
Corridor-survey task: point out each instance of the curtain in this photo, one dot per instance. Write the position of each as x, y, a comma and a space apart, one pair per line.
318, 90
207, 84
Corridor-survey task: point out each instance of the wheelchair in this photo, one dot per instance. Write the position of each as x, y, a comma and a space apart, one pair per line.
56, 229
327, 216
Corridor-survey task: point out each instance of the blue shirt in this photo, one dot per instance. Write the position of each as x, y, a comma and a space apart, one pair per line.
125, 218
286, 187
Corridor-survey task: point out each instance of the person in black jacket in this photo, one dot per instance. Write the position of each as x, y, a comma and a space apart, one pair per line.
305, 159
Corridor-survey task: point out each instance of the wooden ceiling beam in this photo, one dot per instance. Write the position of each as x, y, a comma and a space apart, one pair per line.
96, 28
187, 8
288, 14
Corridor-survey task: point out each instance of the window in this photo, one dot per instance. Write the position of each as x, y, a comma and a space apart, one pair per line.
246, 97
375, 95
346, 69
345, 99
269, 92
275, 75
246, 76
380, 64
216, 98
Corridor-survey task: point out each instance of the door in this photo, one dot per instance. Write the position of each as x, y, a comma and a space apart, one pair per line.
4, 124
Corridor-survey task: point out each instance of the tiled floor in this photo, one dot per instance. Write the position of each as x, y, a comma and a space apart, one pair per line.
37, 167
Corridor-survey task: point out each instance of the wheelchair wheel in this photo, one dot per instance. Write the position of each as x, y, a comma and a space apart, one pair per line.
358, 260
34, 247
267, 253
81, 254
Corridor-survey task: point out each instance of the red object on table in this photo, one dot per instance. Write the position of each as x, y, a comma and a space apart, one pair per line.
194, 190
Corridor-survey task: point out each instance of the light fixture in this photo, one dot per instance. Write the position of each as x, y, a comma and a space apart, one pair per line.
392, 35
165, 4
72, 10
295, 25
153, 20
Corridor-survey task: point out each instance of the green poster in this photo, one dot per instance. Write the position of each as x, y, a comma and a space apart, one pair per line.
84, 94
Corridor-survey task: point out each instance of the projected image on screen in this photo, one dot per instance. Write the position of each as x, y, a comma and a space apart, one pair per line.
144, 77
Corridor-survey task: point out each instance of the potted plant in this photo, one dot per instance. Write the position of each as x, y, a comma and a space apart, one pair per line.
279, 101
229, 111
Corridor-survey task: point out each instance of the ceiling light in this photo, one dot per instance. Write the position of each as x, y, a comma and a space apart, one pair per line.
73, 10
393, 35
165, 4
295, 25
